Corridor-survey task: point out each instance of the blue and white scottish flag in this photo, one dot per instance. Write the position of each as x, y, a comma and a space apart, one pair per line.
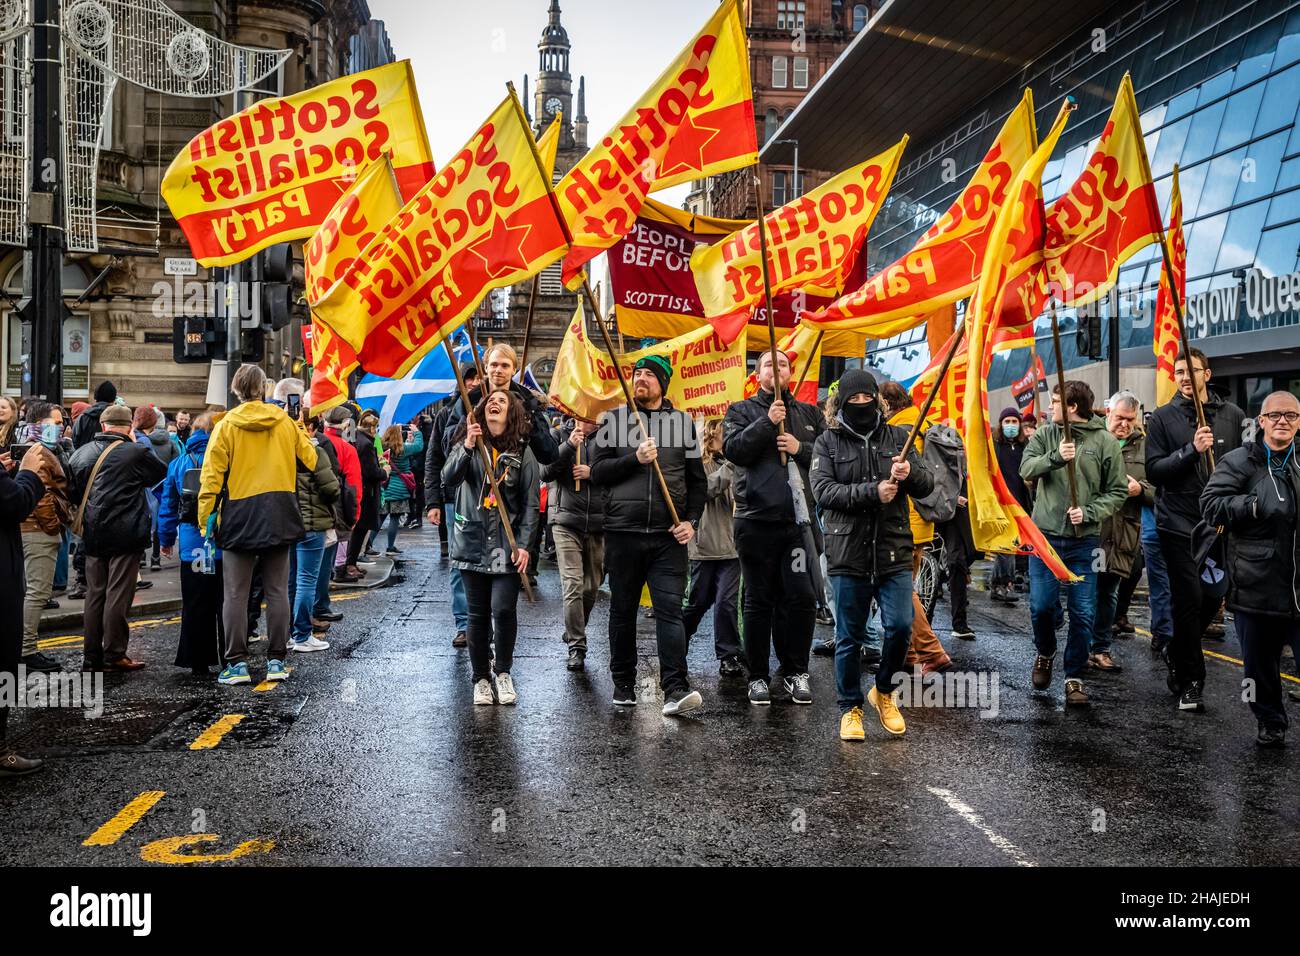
399, 400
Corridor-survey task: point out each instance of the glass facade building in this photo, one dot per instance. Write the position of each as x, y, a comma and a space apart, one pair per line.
1218, 86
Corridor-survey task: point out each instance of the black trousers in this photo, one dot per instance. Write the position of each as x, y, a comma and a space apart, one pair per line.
493, 601
633, 560
779, 605
1128, 586
1262, 638
714, 584
202, 635
1193, 610
959, 562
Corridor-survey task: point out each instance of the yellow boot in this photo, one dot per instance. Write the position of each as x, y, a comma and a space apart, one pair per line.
851, 725
891, 718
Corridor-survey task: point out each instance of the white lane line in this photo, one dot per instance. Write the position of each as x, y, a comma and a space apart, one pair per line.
974, 819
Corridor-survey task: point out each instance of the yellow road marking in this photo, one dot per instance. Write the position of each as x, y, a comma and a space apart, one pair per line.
1221, 657
212, 736
168, 850
126, 818
266, 686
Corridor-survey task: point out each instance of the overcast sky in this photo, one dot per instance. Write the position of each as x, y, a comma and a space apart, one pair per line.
463, 54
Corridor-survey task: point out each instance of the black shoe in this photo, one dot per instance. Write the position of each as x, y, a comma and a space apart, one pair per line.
963, 633
41, 663
14, 765
577, 659
1271, 736
78, 593
371, 553
798, 689
870, 656
624, 695
460, 640
1003, 596
155, 565
1042, 673
143, 585
824, 648
759, 695
332, 616
824, 617
730, 667
58, 589
1191, 698
681, 701
51, 605
391, 552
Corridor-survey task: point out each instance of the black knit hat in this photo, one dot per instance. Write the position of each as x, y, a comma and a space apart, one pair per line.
857, 381
659, 367
106, 392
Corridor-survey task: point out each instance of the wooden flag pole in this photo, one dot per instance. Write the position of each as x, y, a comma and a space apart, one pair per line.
473, 348
817, 343
771, 316
488, 469
1065, 407
934, 390
528, 327
594, 309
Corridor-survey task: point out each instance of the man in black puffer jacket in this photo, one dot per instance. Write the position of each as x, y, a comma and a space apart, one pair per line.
1252, 495
500, 363
863, 490
643, 546
1177, 467
779, 600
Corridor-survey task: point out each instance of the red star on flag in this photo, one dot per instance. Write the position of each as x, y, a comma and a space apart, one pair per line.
686, 150
502, 250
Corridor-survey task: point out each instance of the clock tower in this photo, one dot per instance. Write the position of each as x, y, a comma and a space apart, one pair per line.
554, 93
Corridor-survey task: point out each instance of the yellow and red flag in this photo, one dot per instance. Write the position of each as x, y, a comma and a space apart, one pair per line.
1109, 212
696, 120
349, 227
486, 221
549, 145
812, 241
708, 373
1005, 294
943, 267
1168, 339
272, 172
804, 351
948, 407
332, 362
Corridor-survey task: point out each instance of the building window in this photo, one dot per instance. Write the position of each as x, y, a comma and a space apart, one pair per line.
778, 190
790, 14
772, 125
801, 73
780, 67
860, 16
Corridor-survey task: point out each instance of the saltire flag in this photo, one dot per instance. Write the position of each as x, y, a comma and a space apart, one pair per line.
1024, 391
800, 345
696, 120
431, 380
943, 267
485, 222
1108, 213
1168, 339
1011, 271
812, 242
271, 172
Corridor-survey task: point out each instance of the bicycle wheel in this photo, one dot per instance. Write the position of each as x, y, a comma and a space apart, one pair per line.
927, 583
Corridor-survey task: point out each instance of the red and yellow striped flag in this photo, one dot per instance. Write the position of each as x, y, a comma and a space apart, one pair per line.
1167, 342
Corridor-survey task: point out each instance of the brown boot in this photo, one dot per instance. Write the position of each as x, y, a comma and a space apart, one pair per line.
125, 664
1103, 662
13, 764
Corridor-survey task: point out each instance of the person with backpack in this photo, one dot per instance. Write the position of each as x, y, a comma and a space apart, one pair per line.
926, 652
202, 634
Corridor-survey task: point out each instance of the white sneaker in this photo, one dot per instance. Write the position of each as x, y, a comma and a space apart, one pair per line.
506, 690
312, 643
482, 693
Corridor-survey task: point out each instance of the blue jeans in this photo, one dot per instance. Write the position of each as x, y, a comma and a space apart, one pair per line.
459, 605
873, 628
1162, 608
1079, 555
61, 565
853, 595
327, 560
307, 556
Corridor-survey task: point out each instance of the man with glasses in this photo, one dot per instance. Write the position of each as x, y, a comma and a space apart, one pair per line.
1252, 496
1178, 467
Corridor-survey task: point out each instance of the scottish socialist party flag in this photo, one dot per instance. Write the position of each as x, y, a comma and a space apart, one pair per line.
401, 399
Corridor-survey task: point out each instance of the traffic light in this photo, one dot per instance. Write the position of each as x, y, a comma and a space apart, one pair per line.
197, 338
1088, 337
274, 277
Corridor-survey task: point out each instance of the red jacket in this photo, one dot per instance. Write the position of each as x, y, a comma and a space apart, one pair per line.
349, 462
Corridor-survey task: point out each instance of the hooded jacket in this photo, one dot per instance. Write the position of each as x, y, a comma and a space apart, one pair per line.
1099, 467
171, 529
749, 442
117, 518
249, 478
1258, 510
318, 490
1175, 468
865, 537
164, 446
86, 427
478, 542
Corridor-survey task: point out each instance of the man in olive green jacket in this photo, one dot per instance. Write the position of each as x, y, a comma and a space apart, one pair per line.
1071, 528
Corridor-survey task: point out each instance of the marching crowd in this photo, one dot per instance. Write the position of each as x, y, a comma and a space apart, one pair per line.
774, 518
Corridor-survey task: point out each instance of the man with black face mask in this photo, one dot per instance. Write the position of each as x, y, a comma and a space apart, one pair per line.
862, 483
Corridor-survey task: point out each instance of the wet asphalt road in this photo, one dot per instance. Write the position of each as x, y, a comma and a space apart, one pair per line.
373, 754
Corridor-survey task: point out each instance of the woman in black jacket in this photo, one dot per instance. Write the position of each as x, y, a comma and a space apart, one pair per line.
374, 475
478, 547
1252, 495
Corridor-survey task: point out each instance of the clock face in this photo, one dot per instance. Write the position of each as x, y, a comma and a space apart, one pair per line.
553, 105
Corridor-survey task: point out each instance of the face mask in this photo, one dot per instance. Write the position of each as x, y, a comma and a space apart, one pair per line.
862, 418
1011, 431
